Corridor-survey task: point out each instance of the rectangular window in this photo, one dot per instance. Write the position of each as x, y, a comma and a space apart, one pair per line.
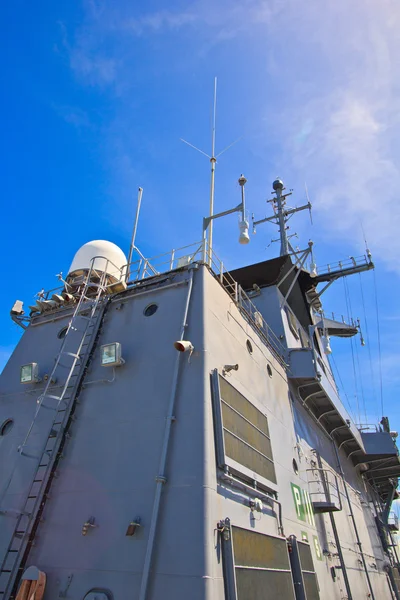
305, 340
292, 322
242, 432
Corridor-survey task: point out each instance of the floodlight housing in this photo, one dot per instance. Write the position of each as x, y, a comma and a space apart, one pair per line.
29, 373
111, 355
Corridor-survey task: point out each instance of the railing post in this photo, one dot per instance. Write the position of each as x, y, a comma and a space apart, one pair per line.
171, 264
144, 269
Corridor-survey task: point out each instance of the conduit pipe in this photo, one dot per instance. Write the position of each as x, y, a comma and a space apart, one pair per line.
353, 520
161, 479
258, 493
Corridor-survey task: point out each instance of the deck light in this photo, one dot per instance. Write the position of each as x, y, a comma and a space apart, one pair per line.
29, 373
111, 355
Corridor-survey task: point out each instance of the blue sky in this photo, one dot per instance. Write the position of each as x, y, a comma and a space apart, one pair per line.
97, 94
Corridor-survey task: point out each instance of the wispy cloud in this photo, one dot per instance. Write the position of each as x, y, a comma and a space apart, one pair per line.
342, 127
335, 120
74, 115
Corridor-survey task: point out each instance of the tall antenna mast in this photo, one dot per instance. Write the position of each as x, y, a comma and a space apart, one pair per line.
213, 161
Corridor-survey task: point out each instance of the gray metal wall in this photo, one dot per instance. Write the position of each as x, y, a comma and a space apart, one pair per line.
112, 458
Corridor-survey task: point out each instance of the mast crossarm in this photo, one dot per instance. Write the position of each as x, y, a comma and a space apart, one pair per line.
292, 211
344, 271
273, 219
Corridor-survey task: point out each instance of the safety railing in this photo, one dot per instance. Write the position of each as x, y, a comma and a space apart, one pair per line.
324, 490
343, 265
199, 252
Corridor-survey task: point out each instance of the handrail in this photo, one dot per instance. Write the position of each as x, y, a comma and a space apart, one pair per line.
199, 253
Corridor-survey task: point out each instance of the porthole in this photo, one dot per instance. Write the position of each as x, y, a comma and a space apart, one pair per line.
98, 594
6, 427
249, 347
150, 310
269, 370
62, 333
295, 466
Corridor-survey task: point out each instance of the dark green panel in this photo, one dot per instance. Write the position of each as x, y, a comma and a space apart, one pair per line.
246, 434
311, 586
263, 585
246, 431
243, 406
253, 549
248, 457
306, 560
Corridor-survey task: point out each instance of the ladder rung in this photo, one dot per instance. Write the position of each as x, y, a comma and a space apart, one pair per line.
29, 455
71, 354
53, 397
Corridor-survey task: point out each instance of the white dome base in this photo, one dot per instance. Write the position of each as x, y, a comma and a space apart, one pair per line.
104, 256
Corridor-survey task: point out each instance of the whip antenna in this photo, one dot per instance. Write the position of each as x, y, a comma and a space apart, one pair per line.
213, 161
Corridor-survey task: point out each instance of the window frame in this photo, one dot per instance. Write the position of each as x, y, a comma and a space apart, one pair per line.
223, 461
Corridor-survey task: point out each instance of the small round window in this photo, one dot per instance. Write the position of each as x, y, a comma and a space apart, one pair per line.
6, 427
269, 370
62, 333
295, 467
249, 347
150, 310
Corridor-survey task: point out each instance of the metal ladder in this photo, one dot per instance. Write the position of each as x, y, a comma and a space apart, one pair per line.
85, 321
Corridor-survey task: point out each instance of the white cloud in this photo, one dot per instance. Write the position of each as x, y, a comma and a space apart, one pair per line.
335, 66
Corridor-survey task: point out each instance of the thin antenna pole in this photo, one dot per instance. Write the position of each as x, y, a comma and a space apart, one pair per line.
135, 225
278, 187
213, 161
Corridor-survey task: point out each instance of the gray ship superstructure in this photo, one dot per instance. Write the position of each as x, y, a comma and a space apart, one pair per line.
169, 430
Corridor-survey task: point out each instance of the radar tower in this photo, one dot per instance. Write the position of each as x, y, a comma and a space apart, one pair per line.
281, 215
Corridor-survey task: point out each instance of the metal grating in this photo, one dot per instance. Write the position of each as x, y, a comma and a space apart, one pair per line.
262, 568
245, 432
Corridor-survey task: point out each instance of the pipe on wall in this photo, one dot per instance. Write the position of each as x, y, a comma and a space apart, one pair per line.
161, 479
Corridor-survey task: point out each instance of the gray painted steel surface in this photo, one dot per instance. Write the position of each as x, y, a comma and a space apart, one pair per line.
110, 466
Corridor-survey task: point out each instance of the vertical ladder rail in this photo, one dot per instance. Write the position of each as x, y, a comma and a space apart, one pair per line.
36, 498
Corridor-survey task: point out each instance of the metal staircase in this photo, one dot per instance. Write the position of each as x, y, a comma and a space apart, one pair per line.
55, 409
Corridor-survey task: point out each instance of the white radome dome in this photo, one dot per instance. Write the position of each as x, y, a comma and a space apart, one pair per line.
105, 250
